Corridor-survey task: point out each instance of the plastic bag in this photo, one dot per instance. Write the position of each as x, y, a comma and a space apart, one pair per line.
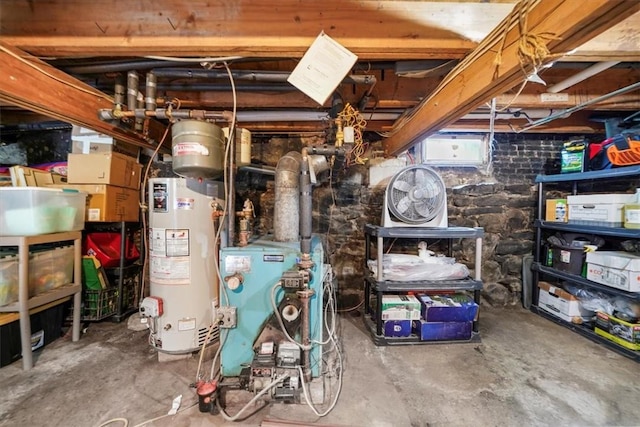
422, 271
590, 299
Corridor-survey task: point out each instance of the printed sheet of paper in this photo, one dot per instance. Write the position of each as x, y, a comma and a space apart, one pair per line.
322, 68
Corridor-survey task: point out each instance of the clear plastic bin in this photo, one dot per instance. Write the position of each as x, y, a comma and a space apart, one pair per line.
8, 279
48, 269
29, 211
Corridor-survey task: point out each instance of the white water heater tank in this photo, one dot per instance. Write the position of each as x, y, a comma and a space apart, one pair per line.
182, 252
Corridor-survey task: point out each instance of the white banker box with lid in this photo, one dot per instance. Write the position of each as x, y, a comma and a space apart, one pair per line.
620, 270
605, 210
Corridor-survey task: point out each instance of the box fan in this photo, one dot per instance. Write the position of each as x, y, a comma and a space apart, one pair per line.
415, 197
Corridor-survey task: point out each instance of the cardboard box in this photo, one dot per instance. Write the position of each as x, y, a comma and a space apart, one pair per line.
397, 328
447, 308
88, 141
108, 203
442, 331
620, 270
604, 210
109, 168
400, 307
562, 304
556, 210
22, 176
619, 331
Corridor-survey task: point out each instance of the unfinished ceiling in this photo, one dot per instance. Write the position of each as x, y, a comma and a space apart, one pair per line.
423, 66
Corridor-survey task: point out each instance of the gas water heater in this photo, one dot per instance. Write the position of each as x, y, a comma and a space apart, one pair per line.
182, 256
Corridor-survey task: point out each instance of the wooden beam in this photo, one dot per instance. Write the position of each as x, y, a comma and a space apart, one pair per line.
372, 29
31, 84
474, 82
249, 46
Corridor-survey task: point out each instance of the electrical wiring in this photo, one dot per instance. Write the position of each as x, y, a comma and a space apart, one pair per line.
355, 307
194, 60
225, 212
223, 338
125, 422
352, 118
330, 306
144, 207
269, 386
338, 391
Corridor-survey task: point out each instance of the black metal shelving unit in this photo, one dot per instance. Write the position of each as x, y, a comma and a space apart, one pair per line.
378, 285
125, 278
541, 227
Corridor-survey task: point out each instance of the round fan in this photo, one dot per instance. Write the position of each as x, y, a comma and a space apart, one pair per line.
416, 196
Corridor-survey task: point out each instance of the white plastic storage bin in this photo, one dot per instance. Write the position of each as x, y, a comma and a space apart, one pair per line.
29, 211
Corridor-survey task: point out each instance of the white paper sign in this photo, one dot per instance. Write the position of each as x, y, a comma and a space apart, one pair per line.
322, 68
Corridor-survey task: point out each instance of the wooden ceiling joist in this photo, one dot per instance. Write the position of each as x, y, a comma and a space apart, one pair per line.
31, 84
475, 82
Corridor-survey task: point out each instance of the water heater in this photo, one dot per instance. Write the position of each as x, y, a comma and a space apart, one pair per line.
182, 272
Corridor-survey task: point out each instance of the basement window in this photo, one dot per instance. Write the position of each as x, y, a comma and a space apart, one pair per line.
455, 150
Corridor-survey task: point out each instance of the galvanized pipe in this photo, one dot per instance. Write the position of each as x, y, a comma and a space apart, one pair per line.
286, 211
150, 95
119, 92
132, 90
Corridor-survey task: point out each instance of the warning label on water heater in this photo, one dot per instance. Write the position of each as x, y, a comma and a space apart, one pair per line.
170, 263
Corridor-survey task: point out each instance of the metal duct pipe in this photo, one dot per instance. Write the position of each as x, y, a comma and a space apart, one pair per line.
306, 205
286, 211
132, 90
150, 95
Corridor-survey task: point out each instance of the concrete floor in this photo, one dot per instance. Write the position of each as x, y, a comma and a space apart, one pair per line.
526, 372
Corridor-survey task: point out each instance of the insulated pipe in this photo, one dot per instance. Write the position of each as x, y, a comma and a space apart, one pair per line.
132, 90
286, 211
306, 213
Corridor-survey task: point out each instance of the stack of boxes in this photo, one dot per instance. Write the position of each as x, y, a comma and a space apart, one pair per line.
111, 178
429, 317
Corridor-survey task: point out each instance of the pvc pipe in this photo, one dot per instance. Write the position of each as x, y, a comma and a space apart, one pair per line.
581, 76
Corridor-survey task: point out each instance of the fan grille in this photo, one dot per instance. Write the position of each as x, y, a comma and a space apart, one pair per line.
416, 194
